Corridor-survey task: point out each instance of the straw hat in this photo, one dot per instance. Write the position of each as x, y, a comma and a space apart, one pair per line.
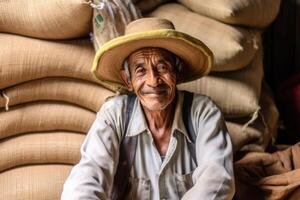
151, 32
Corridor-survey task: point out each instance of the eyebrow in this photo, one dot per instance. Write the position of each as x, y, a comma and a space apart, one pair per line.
163, 61
138, 61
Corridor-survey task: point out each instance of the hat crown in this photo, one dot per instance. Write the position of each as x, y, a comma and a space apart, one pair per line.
148, 24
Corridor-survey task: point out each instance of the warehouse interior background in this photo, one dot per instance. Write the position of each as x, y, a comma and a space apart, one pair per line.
47, 51
282, 67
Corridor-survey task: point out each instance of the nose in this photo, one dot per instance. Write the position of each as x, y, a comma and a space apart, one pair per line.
152, 78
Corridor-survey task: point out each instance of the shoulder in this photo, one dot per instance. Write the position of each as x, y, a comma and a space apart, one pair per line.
203, 101
113, 108
200, 101
203, 105
115, 102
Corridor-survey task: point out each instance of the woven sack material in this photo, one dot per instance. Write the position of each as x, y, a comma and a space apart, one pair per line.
24, 59
269, 176
148, 5
259, 134
45, 116
50, 19
256, 13
40, 148
110, 19
83, 93
34, 182
233, 47
237, 93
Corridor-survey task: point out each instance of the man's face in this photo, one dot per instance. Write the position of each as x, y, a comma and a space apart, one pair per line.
153, 77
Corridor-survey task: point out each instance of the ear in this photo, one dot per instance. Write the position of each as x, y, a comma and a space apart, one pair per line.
180, 72
126, 80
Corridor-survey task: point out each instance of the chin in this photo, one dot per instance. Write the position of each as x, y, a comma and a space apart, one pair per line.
155, 102
155, 106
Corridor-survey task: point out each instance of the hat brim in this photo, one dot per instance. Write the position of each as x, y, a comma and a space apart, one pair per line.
109, 58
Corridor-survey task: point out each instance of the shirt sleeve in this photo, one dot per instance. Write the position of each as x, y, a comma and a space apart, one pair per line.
92, 177
214, 177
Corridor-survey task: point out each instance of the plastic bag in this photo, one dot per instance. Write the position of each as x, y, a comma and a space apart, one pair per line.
110, 18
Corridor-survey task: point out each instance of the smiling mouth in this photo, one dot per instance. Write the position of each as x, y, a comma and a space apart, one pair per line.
154, 92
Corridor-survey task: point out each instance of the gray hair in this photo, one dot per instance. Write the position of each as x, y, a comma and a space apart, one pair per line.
126, 68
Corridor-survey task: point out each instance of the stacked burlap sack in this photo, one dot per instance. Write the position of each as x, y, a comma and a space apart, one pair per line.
146, 6
235, 83
55, 19
48, 96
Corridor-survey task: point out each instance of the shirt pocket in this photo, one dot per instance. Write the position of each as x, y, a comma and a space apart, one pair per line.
139, 189
184, 182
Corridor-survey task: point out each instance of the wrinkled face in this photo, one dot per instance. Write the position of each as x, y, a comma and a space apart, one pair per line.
153, 77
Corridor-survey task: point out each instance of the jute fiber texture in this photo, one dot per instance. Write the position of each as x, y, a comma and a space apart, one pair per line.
259, 134
23, 59
34, 182
255, 13
237, 93
110, 19
40, 148
242, 138
49, 19
148, 5
269, 176
45, 116
83, 93
233, 47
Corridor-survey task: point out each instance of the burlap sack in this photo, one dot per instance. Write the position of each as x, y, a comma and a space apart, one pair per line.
269, 176
50, 19
45, 116
40, 148
34, 182
148, 5
259, 134
233, 47
257, 13
110, 18
237, 93
75, 91
23, 59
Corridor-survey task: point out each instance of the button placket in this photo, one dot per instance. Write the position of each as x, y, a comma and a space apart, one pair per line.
162, 187
170, 153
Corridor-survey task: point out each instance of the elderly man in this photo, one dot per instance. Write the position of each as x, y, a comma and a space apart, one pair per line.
164, 144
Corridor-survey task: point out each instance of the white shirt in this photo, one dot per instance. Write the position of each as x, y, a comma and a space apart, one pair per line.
176, 177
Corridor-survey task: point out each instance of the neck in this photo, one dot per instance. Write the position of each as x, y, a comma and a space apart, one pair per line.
161, 119
160, 124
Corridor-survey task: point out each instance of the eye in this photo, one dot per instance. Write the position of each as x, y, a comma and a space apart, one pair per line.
162, 68
140, 70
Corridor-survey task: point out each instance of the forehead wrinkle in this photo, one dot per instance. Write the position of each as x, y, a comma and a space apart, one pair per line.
151, 55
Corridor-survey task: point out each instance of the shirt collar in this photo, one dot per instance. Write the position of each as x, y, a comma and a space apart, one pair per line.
138, 123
